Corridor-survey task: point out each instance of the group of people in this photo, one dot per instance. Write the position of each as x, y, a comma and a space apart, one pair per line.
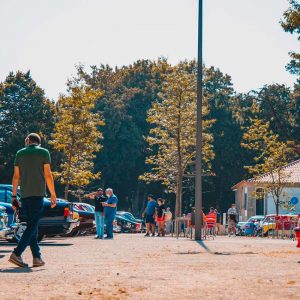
32, 172
105, 211
157, 213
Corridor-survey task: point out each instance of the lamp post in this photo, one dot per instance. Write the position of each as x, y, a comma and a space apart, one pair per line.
198, 179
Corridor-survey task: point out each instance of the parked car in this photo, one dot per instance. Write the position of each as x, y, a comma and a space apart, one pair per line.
3, 222
86, 213
128, 223
240, 227
278, 222
55, 221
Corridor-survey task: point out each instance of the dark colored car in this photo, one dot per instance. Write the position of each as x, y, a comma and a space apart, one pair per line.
86, 214
55, 221
128, 223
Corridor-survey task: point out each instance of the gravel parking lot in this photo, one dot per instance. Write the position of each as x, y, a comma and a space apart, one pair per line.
134, 267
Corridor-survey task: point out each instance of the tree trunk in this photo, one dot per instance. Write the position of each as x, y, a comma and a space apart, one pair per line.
67, 191
277, 207
179, 194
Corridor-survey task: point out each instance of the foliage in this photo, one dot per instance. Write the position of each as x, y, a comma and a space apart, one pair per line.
128, 94
272, 155
291, 24
172, 137
76, 135
24, 109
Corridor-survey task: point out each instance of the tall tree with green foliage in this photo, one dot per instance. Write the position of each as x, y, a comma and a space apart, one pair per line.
23, 109
172, 136
227, 166
128, 94
271, 156
77, 136
291, 24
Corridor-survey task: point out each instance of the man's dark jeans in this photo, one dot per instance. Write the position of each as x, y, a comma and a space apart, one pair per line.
109, 221
31, 213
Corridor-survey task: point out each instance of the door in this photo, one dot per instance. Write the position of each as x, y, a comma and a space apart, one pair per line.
260, 201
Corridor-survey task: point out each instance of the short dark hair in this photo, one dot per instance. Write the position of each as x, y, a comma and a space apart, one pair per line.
161, 200
34, 138
151, 196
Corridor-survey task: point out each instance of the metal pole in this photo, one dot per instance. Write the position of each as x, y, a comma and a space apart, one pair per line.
198, 181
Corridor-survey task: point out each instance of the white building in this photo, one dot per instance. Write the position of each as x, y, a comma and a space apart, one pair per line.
250, 203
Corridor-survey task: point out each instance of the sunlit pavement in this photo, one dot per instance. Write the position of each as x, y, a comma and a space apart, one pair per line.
137, 267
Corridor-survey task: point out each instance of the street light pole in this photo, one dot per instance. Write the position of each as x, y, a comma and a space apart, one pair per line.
198, 180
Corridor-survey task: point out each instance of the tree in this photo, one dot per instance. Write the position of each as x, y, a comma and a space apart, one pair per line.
271, 157
172, 136
291, 24
76, 135
227, 167
23, 109
128, 94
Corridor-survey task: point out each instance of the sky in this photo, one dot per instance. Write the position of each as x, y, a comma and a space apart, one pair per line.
49, 37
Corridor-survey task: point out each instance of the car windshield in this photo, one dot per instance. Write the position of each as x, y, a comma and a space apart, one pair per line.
125, 214
129, 216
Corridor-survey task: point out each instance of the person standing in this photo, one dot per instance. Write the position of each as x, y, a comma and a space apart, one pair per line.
32, 170
149, 212
168, 220
160, 212
110, 208
232, 216
99, 198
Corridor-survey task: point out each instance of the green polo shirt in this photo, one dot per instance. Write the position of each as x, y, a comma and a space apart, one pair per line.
30, 161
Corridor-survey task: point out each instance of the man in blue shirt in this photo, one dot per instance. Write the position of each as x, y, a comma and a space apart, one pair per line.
110, 208
150, 215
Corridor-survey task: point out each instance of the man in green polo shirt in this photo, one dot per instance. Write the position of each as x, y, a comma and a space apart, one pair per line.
32, 171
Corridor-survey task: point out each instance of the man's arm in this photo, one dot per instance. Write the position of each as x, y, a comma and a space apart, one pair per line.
91, 195
50, 184
15, 181
109, 204
15, 184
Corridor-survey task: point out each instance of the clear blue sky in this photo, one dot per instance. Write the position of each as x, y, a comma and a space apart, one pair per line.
241, 37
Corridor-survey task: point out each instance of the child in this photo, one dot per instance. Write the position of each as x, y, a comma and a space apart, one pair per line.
160, 212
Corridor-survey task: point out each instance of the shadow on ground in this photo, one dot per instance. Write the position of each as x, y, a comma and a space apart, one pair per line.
46, 243
204, 246
20, 270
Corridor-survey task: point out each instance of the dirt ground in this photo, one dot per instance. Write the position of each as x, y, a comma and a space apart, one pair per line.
135, 267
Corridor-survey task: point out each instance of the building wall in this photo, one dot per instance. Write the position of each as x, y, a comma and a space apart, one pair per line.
289, 193
246, 202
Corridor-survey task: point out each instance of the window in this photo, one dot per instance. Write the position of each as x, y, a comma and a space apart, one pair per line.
245, 198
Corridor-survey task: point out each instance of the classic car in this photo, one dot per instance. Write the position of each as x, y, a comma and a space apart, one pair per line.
86, 213
4, 229
128, 222
256, 220
275, 223
55, 221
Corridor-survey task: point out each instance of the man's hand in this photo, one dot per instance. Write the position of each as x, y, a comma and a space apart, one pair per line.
53, 201
16, 204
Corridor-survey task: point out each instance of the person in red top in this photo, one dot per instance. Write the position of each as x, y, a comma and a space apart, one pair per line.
160, 213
